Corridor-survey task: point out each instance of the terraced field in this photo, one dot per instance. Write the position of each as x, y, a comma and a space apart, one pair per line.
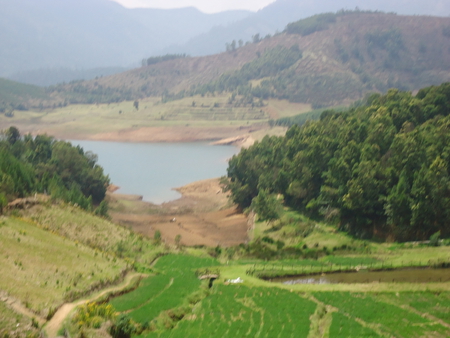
389, 314
164, 291
239, 311
265, 310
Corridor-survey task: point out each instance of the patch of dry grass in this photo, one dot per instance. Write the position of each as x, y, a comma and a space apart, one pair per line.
43, 269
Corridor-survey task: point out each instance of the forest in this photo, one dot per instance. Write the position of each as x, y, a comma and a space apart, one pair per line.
380, 170
42, 164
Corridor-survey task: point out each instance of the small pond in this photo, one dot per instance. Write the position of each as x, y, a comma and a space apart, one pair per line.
416, 275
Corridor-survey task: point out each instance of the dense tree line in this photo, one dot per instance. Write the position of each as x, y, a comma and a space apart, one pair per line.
270, 66
42, 164
382, 169
157, 59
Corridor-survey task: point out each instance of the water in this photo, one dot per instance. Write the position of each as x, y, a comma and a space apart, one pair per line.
154, 169
426, 275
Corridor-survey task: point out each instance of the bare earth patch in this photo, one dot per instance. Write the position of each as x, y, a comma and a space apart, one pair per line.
201, 216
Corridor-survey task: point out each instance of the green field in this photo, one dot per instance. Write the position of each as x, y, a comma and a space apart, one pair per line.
262, 309
240, 311
165, 291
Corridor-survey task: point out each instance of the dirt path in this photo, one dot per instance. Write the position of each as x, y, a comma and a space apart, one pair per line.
18, 307
52, 327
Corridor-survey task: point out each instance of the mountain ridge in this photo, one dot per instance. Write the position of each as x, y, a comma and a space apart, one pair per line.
356, 53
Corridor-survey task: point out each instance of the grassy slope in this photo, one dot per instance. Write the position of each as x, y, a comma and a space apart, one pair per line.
82, 227
14, 322
13, 93
41, 268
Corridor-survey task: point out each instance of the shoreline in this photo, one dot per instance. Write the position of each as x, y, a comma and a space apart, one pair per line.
202, 215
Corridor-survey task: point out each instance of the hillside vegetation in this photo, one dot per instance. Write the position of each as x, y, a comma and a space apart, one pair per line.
342, 57
380, 170
41, 164
19, 96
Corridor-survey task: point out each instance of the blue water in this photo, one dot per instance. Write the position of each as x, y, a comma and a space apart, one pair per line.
154, 169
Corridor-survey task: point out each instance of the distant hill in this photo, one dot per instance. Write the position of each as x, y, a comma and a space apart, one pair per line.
51, 76
15, 95
84, 34
343, 56
277, 15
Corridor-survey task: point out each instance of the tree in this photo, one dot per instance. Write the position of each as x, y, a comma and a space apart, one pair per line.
136, 104
266, 206
3, 202
102, 209
256, 38
157, 237
12, 135
122, 328
233, 45
178, 240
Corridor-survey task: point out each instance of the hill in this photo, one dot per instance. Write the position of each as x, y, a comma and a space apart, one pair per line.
96, 33
343, 56
16, 95
278, 14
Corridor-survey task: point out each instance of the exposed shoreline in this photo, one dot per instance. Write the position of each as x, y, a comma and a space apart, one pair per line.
201, 216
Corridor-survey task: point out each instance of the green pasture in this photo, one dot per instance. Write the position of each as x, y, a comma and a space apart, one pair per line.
11, 321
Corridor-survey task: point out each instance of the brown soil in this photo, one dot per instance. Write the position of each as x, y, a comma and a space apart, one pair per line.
202, 216
172, 134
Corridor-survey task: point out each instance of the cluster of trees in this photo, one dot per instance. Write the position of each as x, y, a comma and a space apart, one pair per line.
269, 64
157, 59
77, 92
381, 169
42, 164
312, 24
231, 47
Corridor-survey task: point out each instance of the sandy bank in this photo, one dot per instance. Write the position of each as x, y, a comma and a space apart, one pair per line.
202, 216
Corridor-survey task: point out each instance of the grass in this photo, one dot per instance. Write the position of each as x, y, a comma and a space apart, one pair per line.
14, 93
43, 269
342, 326
97, 233
208, 112
240, 311
14, 322
390, 319
168, 290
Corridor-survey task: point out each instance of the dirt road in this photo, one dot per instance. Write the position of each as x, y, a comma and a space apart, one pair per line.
52, 327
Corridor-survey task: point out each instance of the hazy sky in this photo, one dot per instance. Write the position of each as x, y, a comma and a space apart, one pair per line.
207, 6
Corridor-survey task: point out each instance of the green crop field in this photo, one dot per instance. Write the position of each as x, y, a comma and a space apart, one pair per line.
176, 282
240, 311
388, 319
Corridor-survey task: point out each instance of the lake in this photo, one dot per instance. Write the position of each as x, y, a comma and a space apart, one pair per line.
154, 169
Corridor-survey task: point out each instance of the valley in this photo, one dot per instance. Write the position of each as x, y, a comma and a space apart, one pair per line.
338, 174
